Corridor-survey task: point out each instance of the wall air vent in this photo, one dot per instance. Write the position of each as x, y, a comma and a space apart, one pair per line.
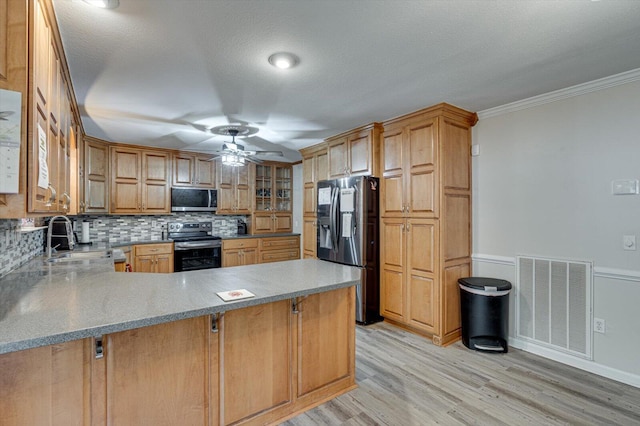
553, 304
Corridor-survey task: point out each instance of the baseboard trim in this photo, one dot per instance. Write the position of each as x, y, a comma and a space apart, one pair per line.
582, 364
558, 95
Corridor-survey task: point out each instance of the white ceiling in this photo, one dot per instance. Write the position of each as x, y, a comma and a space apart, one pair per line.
151, 72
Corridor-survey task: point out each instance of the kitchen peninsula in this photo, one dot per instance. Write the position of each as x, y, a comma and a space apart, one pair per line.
82, 344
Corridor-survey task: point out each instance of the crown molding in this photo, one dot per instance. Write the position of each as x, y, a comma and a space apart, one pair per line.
558, 95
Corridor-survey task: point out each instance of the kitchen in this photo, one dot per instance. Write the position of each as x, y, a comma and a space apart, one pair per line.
570, 127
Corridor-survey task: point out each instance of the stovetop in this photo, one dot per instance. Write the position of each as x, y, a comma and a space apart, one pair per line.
191, 231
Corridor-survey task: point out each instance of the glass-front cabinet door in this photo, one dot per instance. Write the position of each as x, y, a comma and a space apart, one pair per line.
283, 188
273, 188
263, 187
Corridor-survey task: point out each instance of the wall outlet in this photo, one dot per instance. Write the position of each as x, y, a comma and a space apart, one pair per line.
154, 224
629, 242
599, 325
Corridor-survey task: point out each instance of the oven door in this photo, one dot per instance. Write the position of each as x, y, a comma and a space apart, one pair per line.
191, 259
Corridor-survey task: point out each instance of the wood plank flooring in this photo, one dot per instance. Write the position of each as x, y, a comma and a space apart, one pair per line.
404, 380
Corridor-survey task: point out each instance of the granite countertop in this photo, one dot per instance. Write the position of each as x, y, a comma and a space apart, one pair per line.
43, 304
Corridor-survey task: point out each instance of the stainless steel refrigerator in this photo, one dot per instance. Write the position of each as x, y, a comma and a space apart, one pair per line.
348, 233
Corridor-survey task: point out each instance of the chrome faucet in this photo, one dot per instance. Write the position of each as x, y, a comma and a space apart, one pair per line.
69, 236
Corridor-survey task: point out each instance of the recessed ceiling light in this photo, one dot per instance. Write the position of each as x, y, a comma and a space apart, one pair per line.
105, 4
284, 60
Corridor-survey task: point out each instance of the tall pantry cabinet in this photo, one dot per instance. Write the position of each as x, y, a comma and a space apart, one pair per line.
426, 219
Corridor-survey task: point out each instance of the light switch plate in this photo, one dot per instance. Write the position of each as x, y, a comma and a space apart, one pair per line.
624, 187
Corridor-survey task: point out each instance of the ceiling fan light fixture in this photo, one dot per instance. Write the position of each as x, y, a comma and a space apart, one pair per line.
283, 60
233, 160
104, 4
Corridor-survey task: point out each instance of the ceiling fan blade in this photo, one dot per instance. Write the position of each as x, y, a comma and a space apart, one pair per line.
253, 160
278, 153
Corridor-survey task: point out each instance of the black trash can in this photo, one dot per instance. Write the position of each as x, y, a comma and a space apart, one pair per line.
484, 308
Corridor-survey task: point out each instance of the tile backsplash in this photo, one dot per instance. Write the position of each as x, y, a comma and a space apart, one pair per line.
115, 229
17, 248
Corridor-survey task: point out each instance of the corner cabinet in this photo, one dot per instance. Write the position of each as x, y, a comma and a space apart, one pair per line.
355, 153
140, 181
234, 188
426, 219
273, 199
193, 170
315, 167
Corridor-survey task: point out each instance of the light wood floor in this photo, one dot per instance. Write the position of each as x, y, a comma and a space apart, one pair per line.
404, 380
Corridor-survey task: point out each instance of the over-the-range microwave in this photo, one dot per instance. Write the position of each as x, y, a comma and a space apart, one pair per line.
194, 200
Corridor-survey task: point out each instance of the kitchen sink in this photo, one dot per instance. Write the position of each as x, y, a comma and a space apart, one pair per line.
80, 255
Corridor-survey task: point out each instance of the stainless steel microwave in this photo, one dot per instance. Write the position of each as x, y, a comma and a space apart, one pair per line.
194, 200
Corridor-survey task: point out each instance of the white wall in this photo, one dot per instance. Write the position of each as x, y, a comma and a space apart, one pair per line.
542, 186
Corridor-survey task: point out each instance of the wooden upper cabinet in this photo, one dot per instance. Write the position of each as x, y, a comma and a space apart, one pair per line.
49, 174
315, 167
193, 170
234, 188
408, 161
139, 181
96, 177
354, 153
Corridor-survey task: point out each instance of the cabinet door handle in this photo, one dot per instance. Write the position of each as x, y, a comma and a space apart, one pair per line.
408, 227
99, 348
52, 197
214, 323
402, 227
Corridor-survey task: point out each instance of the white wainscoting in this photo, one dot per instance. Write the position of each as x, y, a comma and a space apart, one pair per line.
505, 268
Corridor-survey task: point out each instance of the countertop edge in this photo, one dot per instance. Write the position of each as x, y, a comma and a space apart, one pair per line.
17, 344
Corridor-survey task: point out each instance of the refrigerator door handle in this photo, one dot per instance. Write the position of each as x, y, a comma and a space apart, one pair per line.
335, 196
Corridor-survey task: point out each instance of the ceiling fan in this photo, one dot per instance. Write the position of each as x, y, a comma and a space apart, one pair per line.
234, 154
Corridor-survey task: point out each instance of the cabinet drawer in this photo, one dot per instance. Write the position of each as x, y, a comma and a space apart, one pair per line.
267, 244
279, 255
151, 249
240, 243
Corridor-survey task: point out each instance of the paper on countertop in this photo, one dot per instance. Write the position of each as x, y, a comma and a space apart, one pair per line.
324, 196
228, 296
347, 199
346, 224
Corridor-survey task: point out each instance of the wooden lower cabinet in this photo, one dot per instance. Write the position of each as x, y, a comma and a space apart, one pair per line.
155, 375
309, 237
239, 252
408, 276
256, 380
248, 251
325, 343
45, 386
255, 365
156, 258
277, 249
